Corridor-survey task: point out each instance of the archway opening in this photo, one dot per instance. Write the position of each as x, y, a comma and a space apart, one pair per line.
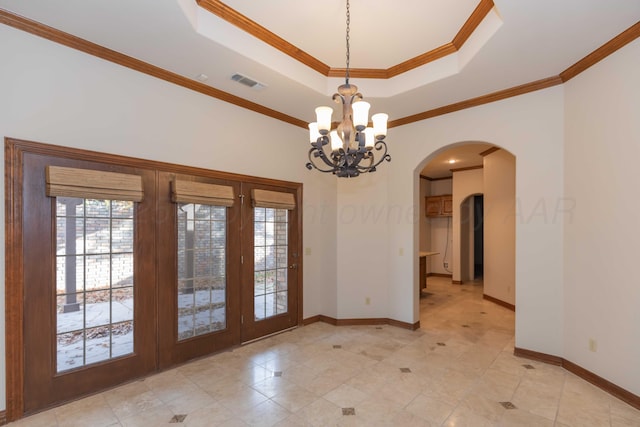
477, 180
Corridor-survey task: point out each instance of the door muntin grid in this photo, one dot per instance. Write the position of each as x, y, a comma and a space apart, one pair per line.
202, 258
271, 248
94, 281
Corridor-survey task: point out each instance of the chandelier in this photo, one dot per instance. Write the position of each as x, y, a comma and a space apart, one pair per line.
352, 142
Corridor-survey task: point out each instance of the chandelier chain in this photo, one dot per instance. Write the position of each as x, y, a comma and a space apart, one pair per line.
347, 40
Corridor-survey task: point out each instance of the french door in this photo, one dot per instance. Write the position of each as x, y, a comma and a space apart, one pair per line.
199, 266
235, 274
119, 267
270, 260
89, 285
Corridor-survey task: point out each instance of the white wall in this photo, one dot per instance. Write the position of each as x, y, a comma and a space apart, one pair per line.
52, 94
372, 259
362, 224
465, 184
500, 226
531, 127
425, 234
602, 237
440, 230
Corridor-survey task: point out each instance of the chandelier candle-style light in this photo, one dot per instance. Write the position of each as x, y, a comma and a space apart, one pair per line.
352, 142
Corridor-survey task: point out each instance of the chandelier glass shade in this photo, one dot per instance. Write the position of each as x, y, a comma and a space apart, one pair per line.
349, 149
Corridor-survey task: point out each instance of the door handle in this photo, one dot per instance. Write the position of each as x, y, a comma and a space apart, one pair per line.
293, 266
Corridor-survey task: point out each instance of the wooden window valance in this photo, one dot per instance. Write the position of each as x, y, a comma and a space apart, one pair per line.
199, 192
93, 184
273, 199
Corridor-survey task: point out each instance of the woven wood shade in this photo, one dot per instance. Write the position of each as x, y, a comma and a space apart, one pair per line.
273, 199
93, 184
198, 192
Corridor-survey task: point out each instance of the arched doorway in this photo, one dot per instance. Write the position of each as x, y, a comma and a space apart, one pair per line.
481, 181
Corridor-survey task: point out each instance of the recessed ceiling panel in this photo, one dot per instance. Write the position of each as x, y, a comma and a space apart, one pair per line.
383, 32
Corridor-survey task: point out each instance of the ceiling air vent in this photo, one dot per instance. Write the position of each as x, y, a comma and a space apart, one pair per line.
247, 81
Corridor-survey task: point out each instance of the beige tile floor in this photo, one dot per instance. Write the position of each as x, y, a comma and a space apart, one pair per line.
454, 371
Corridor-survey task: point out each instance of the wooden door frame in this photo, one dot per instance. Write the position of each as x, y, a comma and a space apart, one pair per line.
14, 308
15, 149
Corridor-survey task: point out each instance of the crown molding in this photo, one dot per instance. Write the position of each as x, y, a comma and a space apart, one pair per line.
489, 151
249, 26
442, 178
479, 13
467, 168
474, 102
74, 42
619, 41
57, 36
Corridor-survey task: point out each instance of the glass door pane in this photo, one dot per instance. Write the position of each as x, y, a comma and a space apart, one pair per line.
94, 281
271, 247
202, 243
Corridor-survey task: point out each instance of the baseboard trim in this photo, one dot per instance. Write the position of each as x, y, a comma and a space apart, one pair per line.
404, 325
606, 385
540, 357
310, 320
361, 322
457, 282
438, 275
327, 319
499, 302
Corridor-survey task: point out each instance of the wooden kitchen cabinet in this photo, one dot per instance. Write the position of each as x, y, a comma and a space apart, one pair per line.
437, 206
447, 205
432, 207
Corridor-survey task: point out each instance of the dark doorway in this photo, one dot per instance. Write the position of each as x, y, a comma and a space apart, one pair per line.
478, 235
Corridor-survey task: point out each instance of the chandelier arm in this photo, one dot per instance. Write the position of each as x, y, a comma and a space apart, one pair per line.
380, 145
366, 168
312, 164
338, 158
385, 155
